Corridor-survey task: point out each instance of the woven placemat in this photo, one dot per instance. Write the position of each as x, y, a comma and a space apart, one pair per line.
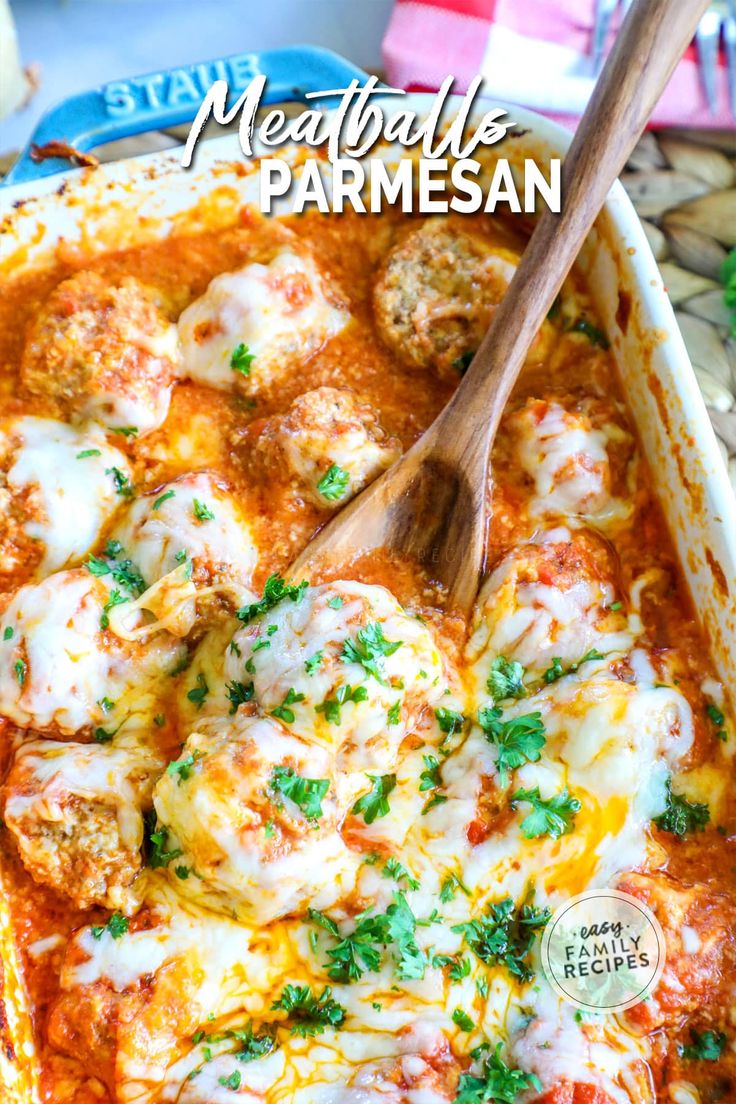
683, 186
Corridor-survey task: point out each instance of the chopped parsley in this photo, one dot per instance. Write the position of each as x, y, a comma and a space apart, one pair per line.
231, 1082
198, 694
275, 591
8, 632
682, 816
306, 793
553, 816
557, 671
336, 602
705, 1047
717, 717
496, 1082
344, 694
505, 935
369, 649
462, 1020
459, 968
374, 805
87, 453
158, 855
393, 715
123, 486
182, 768
115, 599
519, 739
450, 885
505, 679
21, 669
334, 483
394, 869
449, 720
163, 498
116, 926
124, 431
123, 572
312, 665
241, 359
356, 952
308, 1014
283, 712
594, 335
202, 511
238, 693
430, 779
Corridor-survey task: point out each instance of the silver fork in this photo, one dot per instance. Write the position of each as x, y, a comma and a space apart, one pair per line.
719, 18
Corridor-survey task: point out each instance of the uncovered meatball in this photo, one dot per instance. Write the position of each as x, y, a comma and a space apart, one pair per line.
333, 444
545, 601
62, 669
76, 813
342, 664
436, 294
255, 813
103, 351
191, 531
49, 474
254, 325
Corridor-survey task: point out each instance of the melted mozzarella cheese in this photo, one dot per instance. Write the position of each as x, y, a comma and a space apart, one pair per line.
63, 474
57, 665
278, 311
296, 651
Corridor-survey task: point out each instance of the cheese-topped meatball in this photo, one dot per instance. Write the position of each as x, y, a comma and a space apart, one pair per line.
254, 811
50, 474
572, 455
192, 531
548, 602
436, 294
342, 664
76, 813
62, 670
252, 326
103, 351
333, 444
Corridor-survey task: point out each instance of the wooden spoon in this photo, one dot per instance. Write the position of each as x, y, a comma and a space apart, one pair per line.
431, 505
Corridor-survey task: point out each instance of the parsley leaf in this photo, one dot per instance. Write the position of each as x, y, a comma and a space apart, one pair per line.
357, 951
231, 1082
241, 359
594, 335
462, 1020
450, 885
519, 739
556, 671
158, 837
163, 498
123, 486
449, 720
198, 694
505, 679
306, 793
369, 649
283, 712
238, 693
308, 1014
21, 669
275, 591
728, 279
115, 599
334, 483
394, 869
123, 572
705, 1047
374, 804
117, 926
202, 511
496, 1082
505, 936
312, 665
331, 706
554, 816
85, 453
402, 924
682, 816
182, 767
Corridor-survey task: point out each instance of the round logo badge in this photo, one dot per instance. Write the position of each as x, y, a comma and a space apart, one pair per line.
603, 951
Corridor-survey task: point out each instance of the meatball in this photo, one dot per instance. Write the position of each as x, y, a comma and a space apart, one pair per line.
63, 671
192, 531
254, 811
548, 601
344, 665
697, 926
253, 326
50, 473
565, 453
435, 296
333, 445
103, 351
76, 813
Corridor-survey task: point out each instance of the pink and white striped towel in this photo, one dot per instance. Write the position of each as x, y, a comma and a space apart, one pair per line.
536, 53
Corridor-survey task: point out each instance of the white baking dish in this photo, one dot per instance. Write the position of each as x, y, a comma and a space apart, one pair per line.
139, 200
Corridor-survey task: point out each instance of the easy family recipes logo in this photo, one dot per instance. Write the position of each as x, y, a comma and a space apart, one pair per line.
441, 175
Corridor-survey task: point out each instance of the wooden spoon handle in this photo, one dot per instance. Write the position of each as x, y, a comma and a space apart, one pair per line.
653, 38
